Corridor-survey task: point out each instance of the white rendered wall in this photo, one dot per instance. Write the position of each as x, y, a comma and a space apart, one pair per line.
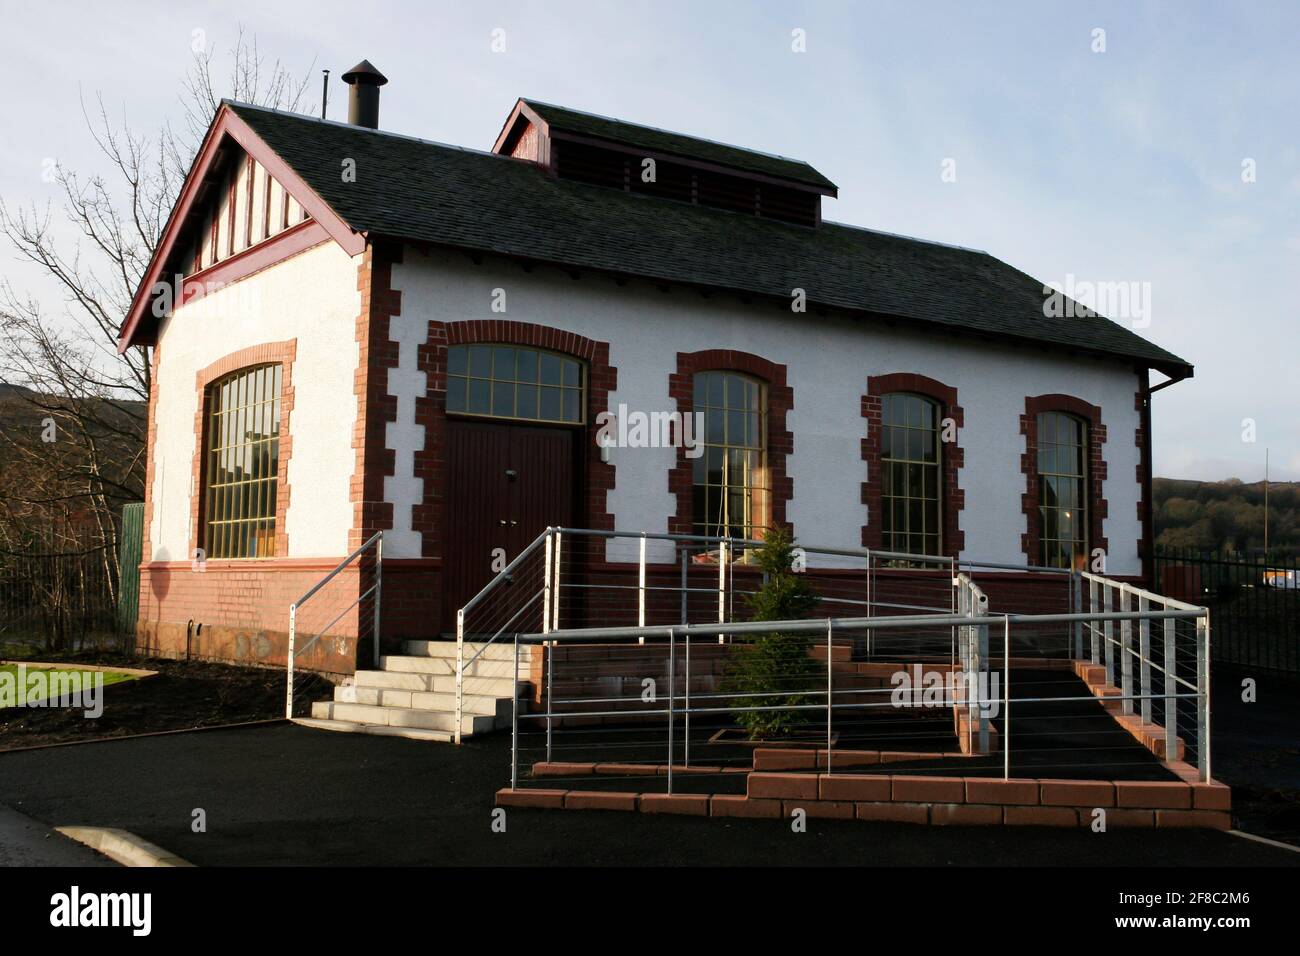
312, 297
828, 363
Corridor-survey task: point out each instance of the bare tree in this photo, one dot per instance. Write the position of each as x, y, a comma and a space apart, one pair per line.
72, 432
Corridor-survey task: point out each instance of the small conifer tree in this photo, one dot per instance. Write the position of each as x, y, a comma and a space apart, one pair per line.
775, 670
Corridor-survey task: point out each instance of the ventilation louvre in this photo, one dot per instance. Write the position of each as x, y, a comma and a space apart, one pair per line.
616, 169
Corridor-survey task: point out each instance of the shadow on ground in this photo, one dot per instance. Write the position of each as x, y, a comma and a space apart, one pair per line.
283, 794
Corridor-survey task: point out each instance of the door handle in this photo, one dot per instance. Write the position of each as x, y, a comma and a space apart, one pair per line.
502, 521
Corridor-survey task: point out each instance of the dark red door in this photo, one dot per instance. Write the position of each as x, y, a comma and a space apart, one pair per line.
505, 485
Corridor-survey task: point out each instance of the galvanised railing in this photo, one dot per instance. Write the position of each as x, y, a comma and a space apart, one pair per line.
374, 545
554, 574
1135, 662
680, 704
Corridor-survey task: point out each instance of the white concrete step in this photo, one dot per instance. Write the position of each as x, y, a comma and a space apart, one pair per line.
380, 730
403, 717
412, 664
502, 649
422, 700
439, 683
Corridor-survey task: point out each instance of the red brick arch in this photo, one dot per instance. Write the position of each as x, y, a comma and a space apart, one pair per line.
780, 440
952, 459
268, 353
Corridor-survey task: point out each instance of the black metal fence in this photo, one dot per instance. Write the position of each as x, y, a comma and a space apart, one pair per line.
68, 600
58, 601
1254, 604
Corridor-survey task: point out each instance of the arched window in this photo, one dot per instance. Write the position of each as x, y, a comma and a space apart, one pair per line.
509, 381
242, 458
911, 479
1062, 490
730, 486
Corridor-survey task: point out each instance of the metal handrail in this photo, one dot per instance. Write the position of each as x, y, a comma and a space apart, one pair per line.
376, 589
504, 575
678, 703
1139, 592
553, 584
377, 536
818, 625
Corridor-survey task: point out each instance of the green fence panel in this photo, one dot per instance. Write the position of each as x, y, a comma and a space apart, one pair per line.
130, 548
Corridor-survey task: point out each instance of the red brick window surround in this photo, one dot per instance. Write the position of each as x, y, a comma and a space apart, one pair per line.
431, 411
779, 438
1031, 540
951, 457
282, 354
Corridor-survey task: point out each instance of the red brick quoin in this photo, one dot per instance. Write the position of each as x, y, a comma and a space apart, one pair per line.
951, 457
780, 440
375, 407
1097, 508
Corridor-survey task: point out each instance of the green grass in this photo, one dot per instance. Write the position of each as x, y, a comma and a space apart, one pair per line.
110, 677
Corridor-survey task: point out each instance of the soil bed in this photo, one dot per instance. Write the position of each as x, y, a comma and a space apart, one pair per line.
184, 695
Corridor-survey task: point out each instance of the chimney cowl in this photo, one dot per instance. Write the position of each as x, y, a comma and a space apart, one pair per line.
363, 97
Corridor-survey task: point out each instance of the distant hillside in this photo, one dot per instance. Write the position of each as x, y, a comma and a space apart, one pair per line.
1226, 515
66, 468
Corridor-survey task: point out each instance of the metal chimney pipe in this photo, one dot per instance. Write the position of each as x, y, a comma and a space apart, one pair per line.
363, 97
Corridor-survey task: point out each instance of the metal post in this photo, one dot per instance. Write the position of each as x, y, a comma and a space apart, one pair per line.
829, 692
952, 598
1203, 696
550, 669
379, 586
460, 672
288, 690
514, 722
1006, 697
1108, 632
963, 608
672, 690
685, 578
640, 589
870, 633
1144, 658
1076, 605
557, 566
555, 592
686, 735
1171, 703
546, 584
723, 558
1092, 625
1126, 650
983, 668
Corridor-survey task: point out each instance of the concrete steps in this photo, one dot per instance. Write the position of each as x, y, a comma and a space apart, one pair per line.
378, 730
423, 700
500, 651
438, 683
402, 717
414, 694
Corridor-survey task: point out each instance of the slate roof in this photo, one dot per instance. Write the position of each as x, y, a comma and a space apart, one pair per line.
560, 118
414, 189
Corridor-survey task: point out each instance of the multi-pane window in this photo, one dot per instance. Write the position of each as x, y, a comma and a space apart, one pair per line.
730, 476
1062, 490
242, 463
910, 479
507, 381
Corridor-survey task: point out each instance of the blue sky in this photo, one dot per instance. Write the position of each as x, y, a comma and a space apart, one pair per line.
1115, 166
